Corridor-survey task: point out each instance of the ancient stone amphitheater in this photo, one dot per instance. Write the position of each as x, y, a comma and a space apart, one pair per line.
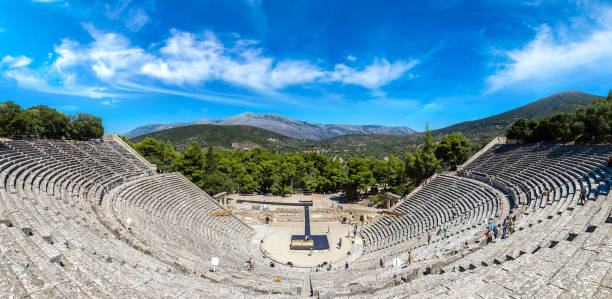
64, 207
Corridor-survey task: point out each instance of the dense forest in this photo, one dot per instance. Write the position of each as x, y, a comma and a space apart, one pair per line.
592, 123
45, 122
264, 171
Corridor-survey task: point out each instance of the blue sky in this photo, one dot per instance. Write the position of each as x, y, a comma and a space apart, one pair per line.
357, 62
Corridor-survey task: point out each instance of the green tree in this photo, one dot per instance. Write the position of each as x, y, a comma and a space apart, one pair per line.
518, 129
560, 126
24, 123
210, 164
269, 175
191, 163
359, 177
453, 149
247, 183
158, 153
8, 111
396, 171
424, 163
52, 124
86, 126
217, 182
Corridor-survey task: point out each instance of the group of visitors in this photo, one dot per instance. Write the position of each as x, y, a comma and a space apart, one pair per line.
327, 265
497, 231
249, 265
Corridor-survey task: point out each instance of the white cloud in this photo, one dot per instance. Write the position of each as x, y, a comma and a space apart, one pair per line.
373, 76
351, 58
15, 62
112, 102
182, 64
555, 55
189, 59
138, 18
29, 79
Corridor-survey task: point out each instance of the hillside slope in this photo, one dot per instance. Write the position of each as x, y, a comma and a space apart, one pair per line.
283, 125
227, 137
496, 125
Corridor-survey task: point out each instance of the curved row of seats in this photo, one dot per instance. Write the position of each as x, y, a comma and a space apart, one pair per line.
167, 211
442, 200
528, 170
64, 207
560, 247
53, 241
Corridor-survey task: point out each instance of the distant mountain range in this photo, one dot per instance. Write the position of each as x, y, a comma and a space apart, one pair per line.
282, 125
365, 144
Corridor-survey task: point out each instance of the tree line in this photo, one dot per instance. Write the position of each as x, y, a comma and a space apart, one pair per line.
44, 122
590, 123
264, 171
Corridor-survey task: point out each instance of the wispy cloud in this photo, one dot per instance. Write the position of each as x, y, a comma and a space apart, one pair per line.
15, 62
556, 54
135, 17
112, 102
138, 18
182, 64
373, 76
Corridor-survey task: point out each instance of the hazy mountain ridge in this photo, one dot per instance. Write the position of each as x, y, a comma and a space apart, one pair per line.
379, 145
283, 125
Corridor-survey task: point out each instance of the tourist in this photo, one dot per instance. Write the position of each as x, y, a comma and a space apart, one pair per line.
495, 230
428, 238
489, 236
328, 229
340, 243
610, 161
409, 257
505, 230
276, 279
271, 264
582, 196
382, 264
346, 265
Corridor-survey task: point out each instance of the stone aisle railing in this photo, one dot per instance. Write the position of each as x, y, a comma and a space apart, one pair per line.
495, 141
116, 138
